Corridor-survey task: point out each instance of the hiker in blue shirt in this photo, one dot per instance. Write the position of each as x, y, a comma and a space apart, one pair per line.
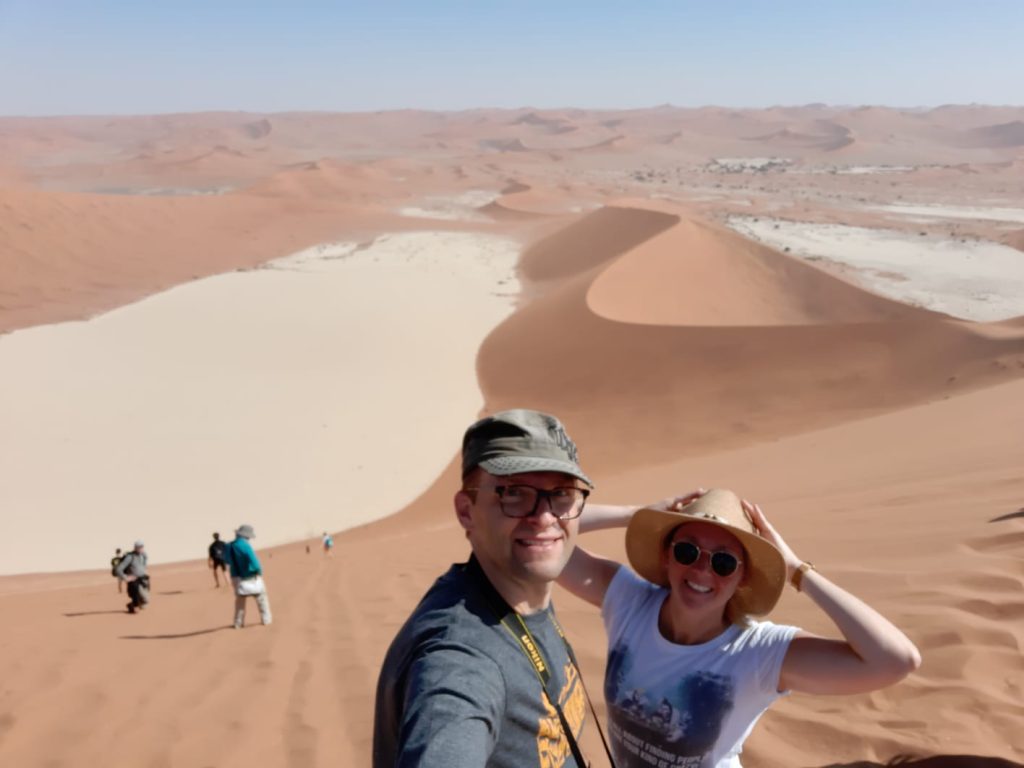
247, 576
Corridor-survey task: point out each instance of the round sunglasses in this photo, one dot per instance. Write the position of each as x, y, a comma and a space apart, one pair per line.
722, 563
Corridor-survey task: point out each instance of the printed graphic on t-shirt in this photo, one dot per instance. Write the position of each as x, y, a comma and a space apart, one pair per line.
673, 723
552, 745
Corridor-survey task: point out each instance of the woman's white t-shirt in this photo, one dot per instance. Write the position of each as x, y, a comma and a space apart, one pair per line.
683, 706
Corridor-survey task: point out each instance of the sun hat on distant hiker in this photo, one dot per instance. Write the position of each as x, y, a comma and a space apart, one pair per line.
245, 532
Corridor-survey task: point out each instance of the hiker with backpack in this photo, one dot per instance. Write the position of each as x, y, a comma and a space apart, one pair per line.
218, 558
114, 562
132, 568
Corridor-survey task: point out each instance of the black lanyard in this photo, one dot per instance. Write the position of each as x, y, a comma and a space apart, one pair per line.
516, 627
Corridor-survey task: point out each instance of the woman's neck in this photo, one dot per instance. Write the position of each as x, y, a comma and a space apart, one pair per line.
683, 626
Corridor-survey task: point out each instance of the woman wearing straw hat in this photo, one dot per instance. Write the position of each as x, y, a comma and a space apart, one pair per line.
689, 670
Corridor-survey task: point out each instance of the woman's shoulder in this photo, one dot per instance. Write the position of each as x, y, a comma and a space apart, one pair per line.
628, 582
629, 597
762, 634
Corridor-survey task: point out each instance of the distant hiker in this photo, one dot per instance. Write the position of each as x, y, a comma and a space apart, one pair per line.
114, 562
132, 568
247, 576
328, 542
218, 558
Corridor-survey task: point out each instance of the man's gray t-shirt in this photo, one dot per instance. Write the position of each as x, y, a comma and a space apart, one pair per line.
456, 689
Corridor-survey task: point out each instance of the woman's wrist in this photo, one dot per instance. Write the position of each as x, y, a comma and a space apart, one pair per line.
796, 578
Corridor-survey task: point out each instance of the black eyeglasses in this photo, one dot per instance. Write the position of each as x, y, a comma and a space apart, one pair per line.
722, 563
524, 500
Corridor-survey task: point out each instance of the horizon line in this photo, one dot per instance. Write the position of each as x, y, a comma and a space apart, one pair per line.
525, 107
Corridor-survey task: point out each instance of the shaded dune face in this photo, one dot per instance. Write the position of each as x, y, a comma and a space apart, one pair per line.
591, 242
640, 391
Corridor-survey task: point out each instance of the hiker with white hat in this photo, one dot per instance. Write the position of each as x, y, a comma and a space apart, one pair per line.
132, 568
681, 629
247, 576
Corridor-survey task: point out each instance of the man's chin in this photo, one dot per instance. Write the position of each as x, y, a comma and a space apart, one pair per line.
543, 566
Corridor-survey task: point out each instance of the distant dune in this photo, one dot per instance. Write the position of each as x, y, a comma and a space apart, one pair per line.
997, 136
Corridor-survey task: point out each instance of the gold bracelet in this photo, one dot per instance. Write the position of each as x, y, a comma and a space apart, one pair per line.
798, 575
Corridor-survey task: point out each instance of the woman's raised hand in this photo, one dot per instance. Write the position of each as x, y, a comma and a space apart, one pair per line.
676, 503
767, 531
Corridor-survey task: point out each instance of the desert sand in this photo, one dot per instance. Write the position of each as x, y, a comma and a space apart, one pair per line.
202, 311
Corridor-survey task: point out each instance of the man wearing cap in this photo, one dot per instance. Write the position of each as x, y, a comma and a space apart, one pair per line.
481, 673
132, 569
247, 576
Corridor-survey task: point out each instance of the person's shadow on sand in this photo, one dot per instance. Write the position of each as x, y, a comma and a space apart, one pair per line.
1008, 516
936, 761
175, 637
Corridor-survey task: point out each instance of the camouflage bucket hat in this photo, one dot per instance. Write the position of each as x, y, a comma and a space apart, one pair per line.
519, 441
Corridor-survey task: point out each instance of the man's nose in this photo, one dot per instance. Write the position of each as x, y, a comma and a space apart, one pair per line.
543, 509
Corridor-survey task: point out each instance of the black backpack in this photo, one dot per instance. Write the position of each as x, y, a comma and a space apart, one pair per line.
115, 562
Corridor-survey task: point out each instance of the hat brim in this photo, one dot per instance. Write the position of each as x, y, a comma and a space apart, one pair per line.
517, 465
764, 566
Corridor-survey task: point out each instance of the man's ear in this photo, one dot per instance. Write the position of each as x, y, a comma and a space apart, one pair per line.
463, 508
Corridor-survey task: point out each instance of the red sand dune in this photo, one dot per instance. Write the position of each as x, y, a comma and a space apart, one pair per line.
697, 273
689, 388
1002, 135
64, 256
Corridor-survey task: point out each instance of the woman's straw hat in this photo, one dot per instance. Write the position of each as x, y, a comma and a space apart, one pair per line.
765, 569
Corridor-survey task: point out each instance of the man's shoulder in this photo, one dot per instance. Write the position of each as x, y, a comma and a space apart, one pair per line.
451, 615
452, 602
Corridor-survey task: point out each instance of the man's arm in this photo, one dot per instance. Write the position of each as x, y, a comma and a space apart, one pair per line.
453, 706
122, 567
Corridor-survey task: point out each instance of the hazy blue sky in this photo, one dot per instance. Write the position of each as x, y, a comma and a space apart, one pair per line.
142, 56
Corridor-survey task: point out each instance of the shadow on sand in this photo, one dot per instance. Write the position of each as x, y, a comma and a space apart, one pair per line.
177, 636
93, 613
1008, 516
935, 761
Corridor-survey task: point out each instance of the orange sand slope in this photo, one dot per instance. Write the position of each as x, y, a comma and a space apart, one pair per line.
884, 440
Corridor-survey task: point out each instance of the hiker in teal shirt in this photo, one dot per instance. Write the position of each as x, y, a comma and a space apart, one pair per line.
247, 576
